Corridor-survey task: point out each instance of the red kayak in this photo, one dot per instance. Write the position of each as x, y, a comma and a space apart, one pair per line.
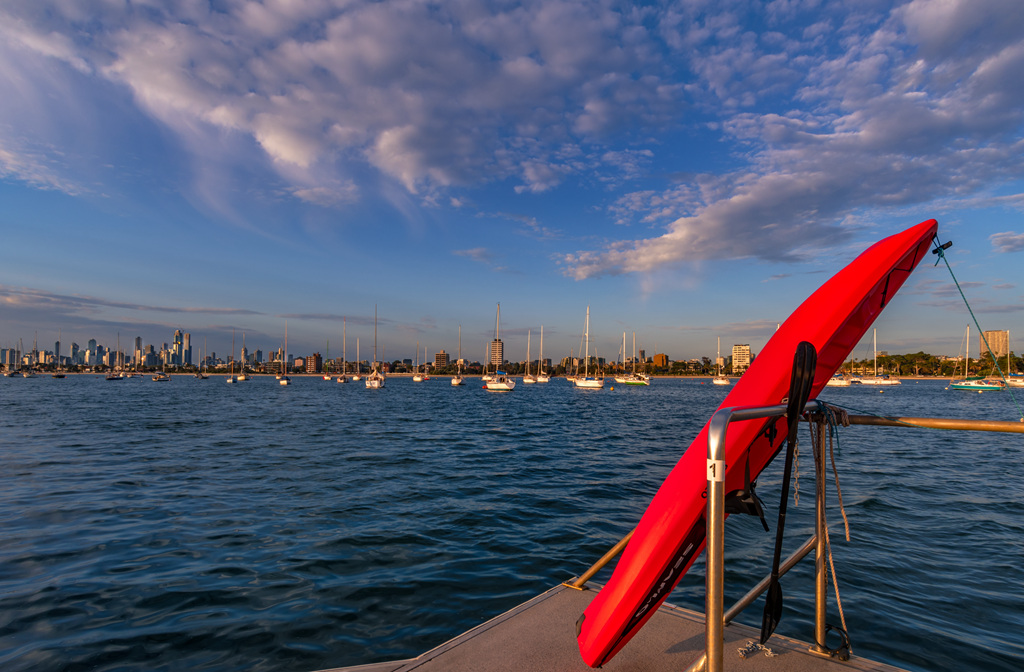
670, 534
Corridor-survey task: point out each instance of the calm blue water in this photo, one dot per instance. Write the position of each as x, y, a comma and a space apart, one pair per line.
202, 526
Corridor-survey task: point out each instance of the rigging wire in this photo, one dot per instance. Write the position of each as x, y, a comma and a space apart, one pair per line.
940, 250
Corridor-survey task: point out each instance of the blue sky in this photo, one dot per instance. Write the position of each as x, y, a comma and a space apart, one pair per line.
688, 169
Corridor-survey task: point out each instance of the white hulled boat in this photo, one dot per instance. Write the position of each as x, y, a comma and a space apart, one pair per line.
500, 381
973, 383
284, 379
542, 376
588, 382
876, 379
343, 378
376, 379
528, 379
457, 378
720, 378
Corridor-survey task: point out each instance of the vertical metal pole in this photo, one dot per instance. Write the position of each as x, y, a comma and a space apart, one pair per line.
714, 607
820, 579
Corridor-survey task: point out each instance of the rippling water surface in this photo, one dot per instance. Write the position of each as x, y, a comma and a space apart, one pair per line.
202, 526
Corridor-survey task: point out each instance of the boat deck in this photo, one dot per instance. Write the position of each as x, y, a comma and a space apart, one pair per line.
541, 635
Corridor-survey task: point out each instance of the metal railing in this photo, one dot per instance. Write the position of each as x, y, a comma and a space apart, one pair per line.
716, 617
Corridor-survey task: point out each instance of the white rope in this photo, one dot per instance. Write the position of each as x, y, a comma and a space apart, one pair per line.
828, 542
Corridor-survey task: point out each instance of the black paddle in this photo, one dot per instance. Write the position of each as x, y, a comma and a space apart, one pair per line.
804, 362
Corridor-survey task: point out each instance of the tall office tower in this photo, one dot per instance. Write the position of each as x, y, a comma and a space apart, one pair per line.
187, 349
92, 348
643, 356
740, 358
177, 356
56, 352
999, 341
74, 353
441, 359
497, 352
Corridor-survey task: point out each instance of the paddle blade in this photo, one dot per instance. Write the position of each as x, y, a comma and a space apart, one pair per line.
772, 610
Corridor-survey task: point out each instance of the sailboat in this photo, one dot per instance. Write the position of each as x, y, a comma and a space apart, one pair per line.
232, 378
343, 378
587, 381
418, 377
975, 383
1012, 379
241, 362
116, 373
500, 381
720, 378
161, 375
622, 377
486, 376
542, 376
284, 379
199, 369
376, 379
327, 359
457, 378
528, 378
876, 379
637, 378
359, 363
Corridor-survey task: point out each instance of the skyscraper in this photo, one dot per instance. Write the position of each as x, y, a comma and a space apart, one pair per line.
999, 341
740, 358
497, 353
177, 357
187, 349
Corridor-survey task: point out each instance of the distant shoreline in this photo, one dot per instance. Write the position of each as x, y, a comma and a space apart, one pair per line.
410, 375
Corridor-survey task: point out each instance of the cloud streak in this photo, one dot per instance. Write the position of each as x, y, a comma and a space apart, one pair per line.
887, 126
15, 298
429, 95
821, 115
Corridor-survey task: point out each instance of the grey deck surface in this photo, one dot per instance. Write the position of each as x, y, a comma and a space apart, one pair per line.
541, 635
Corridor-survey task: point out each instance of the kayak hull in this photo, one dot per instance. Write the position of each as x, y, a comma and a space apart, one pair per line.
670, 535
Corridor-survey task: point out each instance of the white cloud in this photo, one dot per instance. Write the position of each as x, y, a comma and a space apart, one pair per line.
431, 95
831, 110
875, 137
1007, 241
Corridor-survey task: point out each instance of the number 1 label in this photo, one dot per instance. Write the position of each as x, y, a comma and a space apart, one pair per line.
716, 471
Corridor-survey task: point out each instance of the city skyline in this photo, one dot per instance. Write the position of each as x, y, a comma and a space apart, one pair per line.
689, 171
177, 353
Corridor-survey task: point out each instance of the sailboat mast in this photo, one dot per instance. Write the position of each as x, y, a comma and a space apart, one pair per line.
586, 338
375, 338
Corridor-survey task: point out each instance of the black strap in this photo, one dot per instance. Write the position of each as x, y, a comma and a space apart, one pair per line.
746, 501
802, 380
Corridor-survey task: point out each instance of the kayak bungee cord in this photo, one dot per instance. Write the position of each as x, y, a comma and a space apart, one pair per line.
940, 250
